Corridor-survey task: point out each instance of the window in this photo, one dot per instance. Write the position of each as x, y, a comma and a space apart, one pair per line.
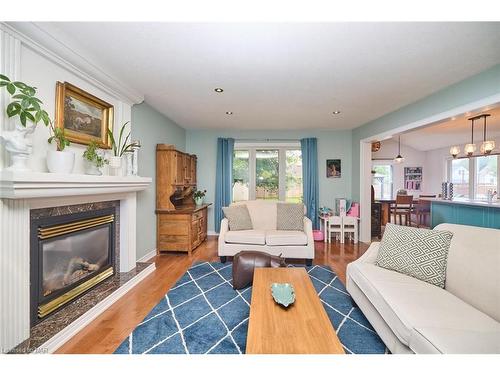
241, 175
460, 177
486, 175
473, 177
382, 181
265, 172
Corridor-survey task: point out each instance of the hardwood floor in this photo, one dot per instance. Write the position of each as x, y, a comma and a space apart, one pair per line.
107, 332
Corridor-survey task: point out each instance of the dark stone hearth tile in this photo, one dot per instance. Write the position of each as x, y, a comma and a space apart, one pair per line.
61, 319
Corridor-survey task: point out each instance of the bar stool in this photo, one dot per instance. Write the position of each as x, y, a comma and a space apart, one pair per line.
334, 225
403, 207
350, 225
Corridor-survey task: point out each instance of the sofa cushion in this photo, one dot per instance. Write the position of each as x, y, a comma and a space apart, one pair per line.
262, 213
420, 253
286, 237
408, 304
290, 216
238, 217
251, 237
454, 341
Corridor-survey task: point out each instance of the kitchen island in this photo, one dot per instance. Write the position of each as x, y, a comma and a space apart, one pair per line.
479, 213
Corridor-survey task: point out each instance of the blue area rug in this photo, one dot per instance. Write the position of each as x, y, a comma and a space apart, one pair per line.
203, 314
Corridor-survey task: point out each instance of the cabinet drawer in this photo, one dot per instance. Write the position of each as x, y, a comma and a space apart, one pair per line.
197, 215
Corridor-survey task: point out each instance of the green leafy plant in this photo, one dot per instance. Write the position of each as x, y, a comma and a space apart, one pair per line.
120, 147
24, 103
58, 136
199, 194
92, 156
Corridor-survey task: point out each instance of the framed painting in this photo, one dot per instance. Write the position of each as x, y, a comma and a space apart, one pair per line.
333, 168
83, 116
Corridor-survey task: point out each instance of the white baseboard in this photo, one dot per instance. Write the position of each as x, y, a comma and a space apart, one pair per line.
55, 342
147, 257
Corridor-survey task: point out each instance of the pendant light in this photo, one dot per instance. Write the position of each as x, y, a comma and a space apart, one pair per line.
486, 146
399, 159
471, 147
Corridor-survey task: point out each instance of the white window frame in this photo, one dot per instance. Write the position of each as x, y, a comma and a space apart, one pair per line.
252, 148
391, 164
472, 174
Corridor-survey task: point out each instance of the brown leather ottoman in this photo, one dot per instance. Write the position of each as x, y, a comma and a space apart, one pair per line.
245, 262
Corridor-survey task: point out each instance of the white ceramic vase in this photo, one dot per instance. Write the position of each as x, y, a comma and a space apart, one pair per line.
60, 161
115, 165
92, 169
199, 201
18, 146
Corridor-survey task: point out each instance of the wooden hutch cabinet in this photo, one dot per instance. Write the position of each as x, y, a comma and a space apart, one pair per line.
181, 225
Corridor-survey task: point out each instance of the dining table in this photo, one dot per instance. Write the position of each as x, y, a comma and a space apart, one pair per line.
386, 204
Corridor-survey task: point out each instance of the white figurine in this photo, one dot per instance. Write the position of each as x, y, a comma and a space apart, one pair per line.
18, 146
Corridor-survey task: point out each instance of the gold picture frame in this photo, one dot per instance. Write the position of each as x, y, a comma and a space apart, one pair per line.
83, 116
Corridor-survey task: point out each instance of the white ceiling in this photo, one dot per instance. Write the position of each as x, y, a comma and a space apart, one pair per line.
456, 131
288, 75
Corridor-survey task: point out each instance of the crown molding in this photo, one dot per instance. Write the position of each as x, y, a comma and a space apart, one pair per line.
44, 39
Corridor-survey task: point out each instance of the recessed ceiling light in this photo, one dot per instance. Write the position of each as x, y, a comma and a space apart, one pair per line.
229, 113
336, 112
218, 89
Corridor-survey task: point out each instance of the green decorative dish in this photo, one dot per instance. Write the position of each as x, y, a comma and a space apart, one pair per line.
284, 294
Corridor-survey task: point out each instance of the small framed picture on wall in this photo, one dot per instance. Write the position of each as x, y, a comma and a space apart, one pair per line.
333, 168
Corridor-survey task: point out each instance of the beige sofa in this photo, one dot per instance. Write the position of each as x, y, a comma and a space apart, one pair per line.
265, 237
412, 316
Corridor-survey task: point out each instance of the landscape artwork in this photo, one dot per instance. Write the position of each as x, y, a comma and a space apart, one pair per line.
83, 116
333, 168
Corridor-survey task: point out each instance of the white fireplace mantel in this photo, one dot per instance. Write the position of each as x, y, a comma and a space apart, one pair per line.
27, 185
21, 192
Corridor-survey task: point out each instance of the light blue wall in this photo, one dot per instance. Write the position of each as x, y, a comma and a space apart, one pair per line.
331, 145
151, 127
467, 91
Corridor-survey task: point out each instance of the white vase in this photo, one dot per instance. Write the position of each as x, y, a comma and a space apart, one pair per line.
92, 169
60, 161
115, 165
199, 201
18, 146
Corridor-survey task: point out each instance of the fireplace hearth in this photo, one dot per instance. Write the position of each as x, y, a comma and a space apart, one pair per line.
70, 254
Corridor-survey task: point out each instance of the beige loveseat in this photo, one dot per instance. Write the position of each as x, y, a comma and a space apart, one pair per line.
265, 237
412, 316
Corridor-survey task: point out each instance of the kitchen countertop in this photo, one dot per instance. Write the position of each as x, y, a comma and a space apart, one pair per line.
468, 202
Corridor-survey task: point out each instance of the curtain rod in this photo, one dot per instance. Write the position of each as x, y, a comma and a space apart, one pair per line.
265, 140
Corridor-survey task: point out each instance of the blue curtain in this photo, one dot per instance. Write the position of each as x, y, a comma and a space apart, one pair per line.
310, 182
223, 178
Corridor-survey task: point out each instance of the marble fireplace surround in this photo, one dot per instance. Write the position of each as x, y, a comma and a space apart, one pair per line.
20, 192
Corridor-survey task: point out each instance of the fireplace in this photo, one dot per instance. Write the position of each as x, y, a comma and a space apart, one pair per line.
70, 254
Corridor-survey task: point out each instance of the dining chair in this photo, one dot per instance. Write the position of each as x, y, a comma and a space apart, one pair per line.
403, 208
423, 210
350, 225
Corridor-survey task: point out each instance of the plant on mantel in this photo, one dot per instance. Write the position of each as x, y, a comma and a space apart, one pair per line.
25, 105
93, 159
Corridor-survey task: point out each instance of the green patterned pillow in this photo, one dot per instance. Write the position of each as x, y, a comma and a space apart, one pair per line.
419, 253
238, 217
290, 216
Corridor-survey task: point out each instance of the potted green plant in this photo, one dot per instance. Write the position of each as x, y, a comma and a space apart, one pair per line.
28, 109
118, 149
199, 196
94, 160
59, 160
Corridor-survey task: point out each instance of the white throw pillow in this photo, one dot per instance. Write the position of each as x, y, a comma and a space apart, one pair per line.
238, 217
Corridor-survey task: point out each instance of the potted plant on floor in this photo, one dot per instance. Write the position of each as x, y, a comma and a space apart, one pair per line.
28, 108
118, 149
94, 160
59, 160
199, 197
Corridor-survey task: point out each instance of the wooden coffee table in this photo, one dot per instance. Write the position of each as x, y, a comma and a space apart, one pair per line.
302, 328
